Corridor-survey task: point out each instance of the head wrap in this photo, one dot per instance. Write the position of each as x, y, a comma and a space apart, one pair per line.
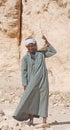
29, 40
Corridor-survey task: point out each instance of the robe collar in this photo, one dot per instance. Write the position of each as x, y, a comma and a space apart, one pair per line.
28, 53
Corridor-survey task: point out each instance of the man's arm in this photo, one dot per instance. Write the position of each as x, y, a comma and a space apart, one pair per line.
48, 50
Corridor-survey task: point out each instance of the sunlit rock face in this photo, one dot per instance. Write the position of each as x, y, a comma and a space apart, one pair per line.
9, 48
51, 18
37, 17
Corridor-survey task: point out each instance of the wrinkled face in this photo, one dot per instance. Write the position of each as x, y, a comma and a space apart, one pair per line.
32, 48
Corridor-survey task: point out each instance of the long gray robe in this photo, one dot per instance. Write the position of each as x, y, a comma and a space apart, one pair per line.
35, 77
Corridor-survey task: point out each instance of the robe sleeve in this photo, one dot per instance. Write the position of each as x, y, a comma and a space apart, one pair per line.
49, 52
24, 72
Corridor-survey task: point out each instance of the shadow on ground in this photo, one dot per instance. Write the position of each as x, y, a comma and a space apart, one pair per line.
60, 123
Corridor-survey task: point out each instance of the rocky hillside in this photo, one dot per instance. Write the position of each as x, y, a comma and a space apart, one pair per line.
18, 20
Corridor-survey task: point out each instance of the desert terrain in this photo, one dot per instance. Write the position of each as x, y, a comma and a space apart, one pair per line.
19, 20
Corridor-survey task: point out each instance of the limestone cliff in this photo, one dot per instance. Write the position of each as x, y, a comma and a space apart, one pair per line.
52, 18
49, 17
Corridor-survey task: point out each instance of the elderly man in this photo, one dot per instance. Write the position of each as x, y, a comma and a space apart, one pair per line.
34, 102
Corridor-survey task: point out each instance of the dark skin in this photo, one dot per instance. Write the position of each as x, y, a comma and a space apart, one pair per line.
46, 41
32, 48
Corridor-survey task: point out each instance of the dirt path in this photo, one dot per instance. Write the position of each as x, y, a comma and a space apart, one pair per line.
59, 117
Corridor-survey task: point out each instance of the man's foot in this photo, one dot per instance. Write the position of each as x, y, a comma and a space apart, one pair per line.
30, 122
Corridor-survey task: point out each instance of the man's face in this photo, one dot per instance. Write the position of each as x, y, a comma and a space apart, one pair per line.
32, 47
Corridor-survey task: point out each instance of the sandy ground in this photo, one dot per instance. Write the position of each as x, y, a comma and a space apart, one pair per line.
59, 115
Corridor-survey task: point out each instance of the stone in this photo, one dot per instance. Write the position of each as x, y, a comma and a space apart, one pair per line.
51, 18
44, 129
48, 24
2, 113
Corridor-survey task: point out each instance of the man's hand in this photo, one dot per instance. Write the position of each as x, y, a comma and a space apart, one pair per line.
24, 87
46, 41
44, 38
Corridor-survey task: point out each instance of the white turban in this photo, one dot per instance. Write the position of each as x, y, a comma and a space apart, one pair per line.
28, 41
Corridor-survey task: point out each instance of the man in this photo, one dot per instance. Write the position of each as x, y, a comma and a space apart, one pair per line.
34, 102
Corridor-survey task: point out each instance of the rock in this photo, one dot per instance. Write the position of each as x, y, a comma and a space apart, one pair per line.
36, 18
51, 24
67, 105
5, 127
44, 128
2, 113
11, 128
17, 124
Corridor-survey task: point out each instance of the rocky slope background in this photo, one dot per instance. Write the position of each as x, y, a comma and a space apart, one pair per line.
21, 19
